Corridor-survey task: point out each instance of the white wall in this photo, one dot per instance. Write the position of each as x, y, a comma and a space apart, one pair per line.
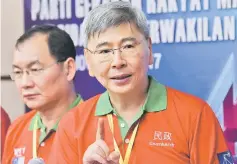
12, 26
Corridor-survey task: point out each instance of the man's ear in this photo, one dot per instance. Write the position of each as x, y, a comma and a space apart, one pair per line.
70, 68
151, 59
88, 62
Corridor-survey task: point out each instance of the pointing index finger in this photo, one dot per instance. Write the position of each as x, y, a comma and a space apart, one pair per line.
100, 129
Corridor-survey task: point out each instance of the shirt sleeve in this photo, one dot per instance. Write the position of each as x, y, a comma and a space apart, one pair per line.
207, 143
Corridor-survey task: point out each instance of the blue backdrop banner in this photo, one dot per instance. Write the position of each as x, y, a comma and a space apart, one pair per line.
194, 47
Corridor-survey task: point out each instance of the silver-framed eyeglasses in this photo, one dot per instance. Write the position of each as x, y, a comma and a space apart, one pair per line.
129, 49
32, 72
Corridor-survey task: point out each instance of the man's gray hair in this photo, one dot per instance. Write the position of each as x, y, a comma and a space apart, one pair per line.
113, 14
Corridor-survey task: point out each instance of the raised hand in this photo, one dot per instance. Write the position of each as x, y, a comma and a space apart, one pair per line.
98, 152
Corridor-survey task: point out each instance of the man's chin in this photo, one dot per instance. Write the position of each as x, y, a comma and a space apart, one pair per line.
120, 89
32, 105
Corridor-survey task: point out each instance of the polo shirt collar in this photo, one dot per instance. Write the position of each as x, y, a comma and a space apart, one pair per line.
40, 124
156, 99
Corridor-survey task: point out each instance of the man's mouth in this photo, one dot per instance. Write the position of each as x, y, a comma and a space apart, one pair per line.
121, 77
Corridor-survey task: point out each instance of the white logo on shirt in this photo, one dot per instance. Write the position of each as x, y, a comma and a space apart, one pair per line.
162, 139
162, 136
19, 152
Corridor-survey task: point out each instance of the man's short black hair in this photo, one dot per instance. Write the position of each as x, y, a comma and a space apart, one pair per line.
60, 43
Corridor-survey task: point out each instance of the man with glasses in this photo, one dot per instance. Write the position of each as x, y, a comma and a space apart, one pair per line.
137, 120
43, 70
